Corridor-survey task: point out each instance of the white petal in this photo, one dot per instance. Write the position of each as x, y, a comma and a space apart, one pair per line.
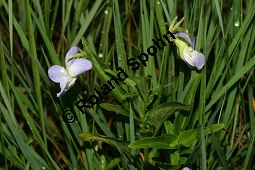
66, 85
185, 37
70, 53
63, 85
185, 168
198, 59
77, 66
187, 58
57, 73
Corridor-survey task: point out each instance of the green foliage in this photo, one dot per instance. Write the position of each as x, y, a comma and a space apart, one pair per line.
170, 141
164, 115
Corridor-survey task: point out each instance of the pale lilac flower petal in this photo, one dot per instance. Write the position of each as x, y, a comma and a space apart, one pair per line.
63, 85
186, 168
57, 73
185, 37
78, 66
74, 67
198, 59
193, 41
70, 53
188, 59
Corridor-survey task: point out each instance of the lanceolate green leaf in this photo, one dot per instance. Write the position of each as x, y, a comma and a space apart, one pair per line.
186, 138
160, 113
189, 136
111, 141
162, 142
116, 108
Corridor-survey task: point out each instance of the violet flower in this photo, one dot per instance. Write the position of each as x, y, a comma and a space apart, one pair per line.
186, 50
67, 76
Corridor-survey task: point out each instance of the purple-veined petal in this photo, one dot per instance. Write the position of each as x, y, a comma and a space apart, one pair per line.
77, 66
70, 53
187, 58
198, 59
57, 73
185, 37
